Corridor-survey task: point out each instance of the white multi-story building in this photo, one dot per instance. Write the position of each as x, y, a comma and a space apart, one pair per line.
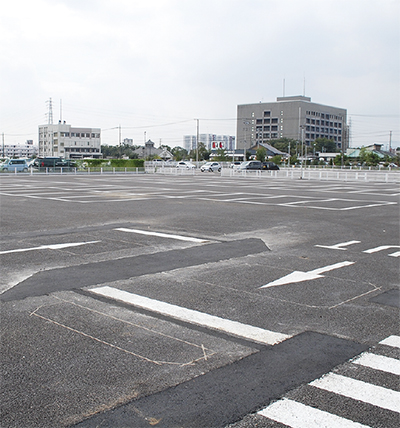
26, 150
67, 142
211, 141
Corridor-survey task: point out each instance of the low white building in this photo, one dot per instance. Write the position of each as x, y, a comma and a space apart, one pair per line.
63, 140
27, 150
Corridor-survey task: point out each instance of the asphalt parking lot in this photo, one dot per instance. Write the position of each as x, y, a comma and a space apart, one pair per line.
198, 301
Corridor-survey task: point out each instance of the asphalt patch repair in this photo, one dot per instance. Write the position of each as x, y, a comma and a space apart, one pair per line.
227, 394
89, 274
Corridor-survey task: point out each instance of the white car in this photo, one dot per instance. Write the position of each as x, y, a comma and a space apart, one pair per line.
211, 167
186, 165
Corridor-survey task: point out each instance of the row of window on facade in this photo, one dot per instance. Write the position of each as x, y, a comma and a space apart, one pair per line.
73, 134
267, 136
308, 128
78, 150
323, 122
267, 113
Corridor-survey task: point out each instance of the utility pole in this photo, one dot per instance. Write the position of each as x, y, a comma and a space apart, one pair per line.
119, 140
3, 142
390, 143
197, 142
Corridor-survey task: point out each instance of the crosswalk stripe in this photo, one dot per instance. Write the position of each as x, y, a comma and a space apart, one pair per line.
191, 316
359, 390
378, 362
393, 341
298, 415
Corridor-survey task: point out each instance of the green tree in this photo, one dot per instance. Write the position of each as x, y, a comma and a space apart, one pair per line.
179, 153
368, 157
221, 156
325, 145
277, 159
261, 153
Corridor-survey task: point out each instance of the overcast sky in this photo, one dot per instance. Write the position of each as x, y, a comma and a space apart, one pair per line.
153, 66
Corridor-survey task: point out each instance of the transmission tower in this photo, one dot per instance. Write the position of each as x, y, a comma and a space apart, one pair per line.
50, 112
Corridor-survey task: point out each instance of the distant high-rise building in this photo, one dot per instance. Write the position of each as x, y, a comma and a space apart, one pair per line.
211, 141
295, 117
67, 142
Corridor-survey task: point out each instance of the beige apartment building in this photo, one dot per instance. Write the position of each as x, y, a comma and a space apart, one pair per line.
64, 141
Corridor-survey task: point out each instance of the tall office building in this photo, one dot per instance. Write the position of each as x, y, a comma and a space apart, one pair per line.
295, 117
64, 141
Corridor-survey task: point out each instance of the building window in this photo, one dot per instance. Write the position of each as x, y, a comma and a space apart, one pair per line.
274, 120
258, 121
267, 120
267, 114
274, 128
267, 128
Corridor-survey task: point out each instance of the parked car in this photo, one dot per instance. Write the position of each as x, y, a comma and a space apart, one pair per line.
184, 164
54, 163
252, 165
270, 166
235, 164
211, 167
14, 165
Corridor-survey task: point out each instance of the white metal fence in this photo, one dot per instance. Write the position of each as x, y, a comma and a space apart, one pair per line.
318, 174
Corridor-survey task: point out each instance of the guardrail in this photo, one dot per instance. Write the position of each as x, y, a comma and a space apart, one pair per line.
320, 175
91, 170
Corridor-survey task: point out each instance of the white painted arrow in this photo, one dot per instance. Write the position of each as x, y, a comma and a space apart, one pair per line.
384, 247
49, 247
298, 276
339, 246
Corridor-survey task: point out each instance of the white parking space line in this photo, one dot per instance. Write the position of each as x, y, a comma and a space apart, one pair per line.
359, 390
191, 316
379, 362
162, 235
393, 341
298, 415
49, 247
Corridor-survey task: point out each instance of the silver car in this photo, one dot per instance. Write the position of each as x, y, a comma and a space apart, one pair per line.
14, 165
211, 167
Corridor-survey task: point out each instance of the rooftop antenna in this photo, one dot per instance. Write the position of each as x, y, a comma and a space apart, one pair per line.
50, 113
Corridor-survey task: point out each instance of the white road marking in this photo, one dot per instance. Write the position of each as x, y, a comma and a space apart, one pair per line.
299, 276
298, 415
393, 341
378, 362
194, 317
49, 247
161, 235
339, 246
359, 390
381, 248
